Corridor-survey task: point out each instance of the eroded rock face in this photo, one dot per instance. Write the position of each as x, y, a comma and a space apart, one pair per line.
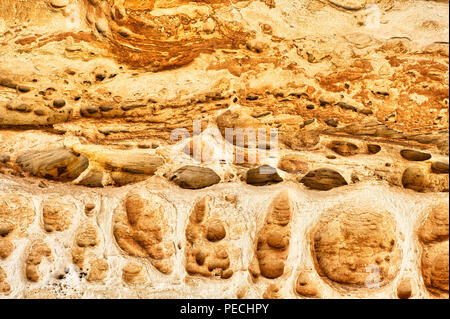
16, 213
263, 175
434, 236
140, 231
133, 273
439, 168
435, 266
305, 285
344, 148
58, 164
293, 164
57, 215
418, 179
5, 288
37, 252
404, 289
194, 177
350, 247
103, 102
87, 238
436, 226
323, 179
98, 270
6, 248
206, 255
273, 240
412, 155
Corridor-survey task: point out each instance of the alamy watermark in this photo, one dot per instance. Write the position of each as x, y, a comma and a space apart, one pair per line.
236, 145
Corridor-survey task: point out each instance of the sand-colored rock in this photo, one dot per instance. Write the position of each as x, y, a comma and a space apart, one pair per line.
404, 289
273, 240
5, 288
6, 248
37, 252
436, 227
349, 247
87, 237
263, 175
293, 164
412, 155
205, 254
16, 213
323, 179
435, 267
57, 215
59, 164
98, 270
140, 231
194, 177
305, 285
433, 234
344, 102
132, 273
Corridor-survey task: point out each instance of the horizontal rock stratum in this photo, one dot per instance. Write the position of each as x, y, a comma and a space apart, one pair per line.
224, 149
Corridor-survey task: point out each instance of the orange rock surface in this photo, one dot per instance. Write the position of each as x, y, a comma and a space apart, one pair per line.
224, 149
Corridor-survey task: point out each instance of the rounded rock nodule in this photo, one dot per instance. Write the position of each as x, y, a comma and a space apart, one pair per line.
194, 177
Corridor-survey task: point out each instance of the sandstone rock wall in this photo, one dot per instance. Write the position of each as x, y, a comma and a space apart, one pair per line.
118, 178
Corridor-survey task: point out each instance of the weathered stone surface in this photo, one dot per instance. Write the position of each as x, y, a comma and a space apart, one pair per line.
59, 3
344, 148
272, 244
141, 230
350, 247
134, 163
323, 179
87, 236
98, 270
16, 213
194, 177
102, 102
300, 140
4, 158
206, 255
412, 155
86, 239
305, 285
418, 179
436, 226
37, 252
92, 178
132, 273
373, 148
263, 175
404, 289
435, 267
293, 164
59, 164
57, 215
439, 167
6, 248
5, 288
434, 235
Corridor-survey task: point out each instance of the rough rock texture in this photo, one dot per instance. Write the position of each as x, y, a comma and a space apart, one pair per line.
272, 244
141, 231
232, 149
435, 259
347, 245
57, 214
206, 254
404, 289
